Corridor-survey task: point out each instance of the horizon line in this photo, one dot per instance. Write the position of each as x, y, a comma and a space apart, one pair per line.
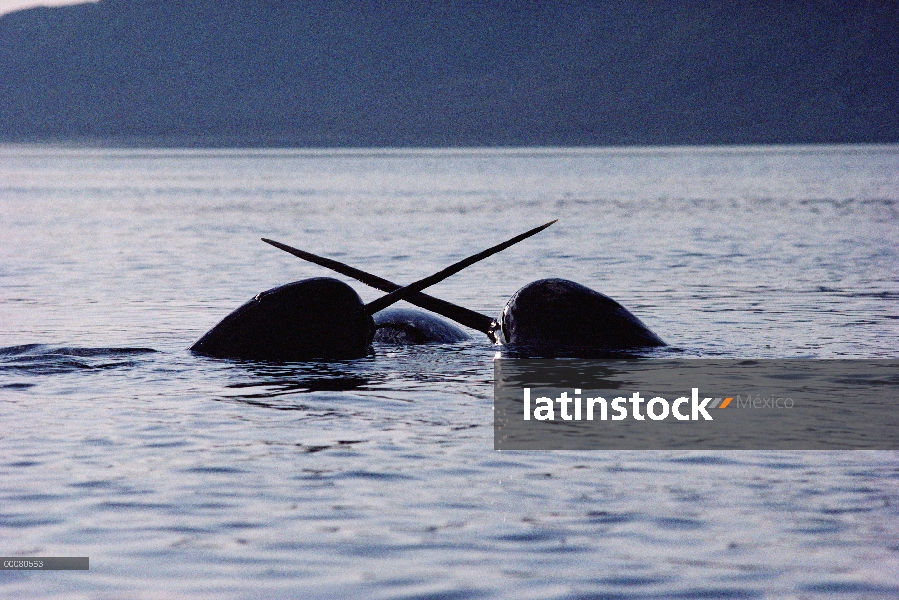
117, 144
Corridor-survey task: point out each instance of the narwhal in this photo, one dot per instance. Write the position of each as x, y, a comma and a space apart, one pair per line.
545, 317
404, 326
318, 318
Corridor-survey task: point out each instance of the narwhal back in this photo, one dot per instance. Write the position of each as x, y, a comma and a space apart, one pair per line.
319, 318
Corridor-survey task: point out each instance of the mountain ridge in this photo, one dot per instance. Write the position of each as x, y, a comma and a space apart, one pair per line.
401, 74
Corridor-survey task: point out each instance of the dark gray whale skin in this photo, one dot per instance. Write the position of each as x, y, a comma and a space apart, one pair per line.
409, 326
319, 318
559, 314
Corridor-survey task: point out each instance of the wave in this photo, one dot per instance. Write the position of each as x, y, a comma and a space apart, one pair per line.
44, 359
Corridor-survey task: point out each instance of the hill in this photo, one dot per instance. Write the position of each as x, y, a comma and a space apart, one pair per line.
342, 73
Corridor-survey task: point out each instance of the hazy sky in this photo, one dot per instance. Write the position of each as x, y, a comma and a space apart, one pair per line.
7, 6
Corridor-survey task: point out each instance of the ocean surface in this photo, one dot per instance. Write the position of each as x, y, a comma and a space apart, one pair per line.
183, 476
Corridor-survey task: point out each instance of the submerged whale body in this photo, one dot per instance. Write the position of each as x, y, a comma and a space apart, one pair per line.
408, 326
319, 318
562, 314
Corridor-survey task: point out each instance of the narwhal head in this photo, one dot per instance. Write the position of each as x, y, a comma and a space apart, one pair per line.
319, 318
562, 314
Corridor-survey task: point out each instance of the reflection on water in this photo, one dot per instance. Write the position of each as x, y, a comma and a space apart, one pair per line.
278, 387
263, 384
187, 476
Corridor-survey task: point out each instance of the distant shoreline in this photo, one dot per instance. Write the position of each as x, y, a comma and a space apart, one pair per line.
164, 144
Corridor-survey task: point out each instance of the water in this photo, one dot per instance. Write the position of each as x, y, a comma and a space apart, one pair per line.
185, 476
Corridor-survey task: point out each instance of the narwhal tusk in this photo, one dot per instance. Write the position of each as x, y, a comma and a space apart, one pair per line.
459, 314
404, 293
397, 295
